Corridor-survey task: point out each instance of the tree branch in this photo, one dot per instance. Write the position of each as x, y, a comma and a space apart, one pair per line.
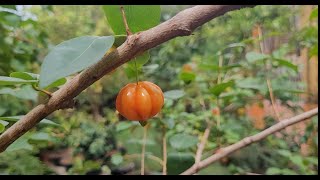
181, 24
249, 140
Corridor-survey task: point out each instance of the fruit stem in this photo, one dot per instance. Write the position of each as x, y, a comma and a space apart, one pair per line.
137, 73
164, 151
145, 130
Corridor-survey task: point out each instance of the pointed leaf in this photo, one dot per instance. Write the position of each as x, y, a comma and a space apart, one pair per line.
4, 80
286, 63
57, 83
73, 56
21, 143
219, 88
25, 75
17, 118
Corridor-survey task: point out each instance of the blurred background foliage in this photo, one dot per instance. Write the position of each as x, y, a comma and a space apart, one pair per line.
219, 67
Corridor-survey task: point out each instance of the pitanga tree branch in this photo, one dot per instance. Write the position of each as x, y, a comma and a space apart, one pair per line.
249, 140
181, 24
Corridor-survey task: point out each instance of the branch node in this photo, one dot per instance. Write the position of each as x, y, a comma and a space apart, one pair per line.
68, 104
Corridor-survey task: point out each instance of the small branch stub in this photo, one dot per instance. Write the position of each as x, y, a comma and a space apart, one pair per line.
42, 90
129, 33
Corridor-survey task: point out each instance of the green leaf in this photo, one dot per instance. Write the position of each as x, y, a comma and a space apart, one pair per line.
21, 143
187, 76
183, 141
139, 60
73, 56
130, 72
2, 111
41, 136
219, 88
116, 159
139, 18
4, 80
253, 57
25, 75
57, 83
119, 39
314, 14
251, 83
313, 50
3, 125
174, 94
286, 63
17, 118
123, 126
284, 153
234, 45
24, 92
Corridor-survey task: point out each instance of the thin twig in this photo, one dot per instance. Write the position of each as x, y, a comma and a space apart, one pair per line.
249, 140
272, 99
262, 49
205, 136
164, 147
145, 130
125, 21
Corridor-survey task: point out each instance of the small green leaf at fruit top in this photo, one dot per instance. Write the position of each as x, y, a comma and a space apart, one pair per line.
139, 17
143, 123
73, 56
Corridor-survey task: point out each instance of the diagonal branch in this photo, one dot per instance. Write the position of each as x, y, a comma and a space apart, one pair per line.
180, 25
249, 140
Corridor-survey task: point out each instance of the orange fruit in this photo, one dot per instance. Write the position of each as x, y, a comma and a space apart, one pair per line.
140, 101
